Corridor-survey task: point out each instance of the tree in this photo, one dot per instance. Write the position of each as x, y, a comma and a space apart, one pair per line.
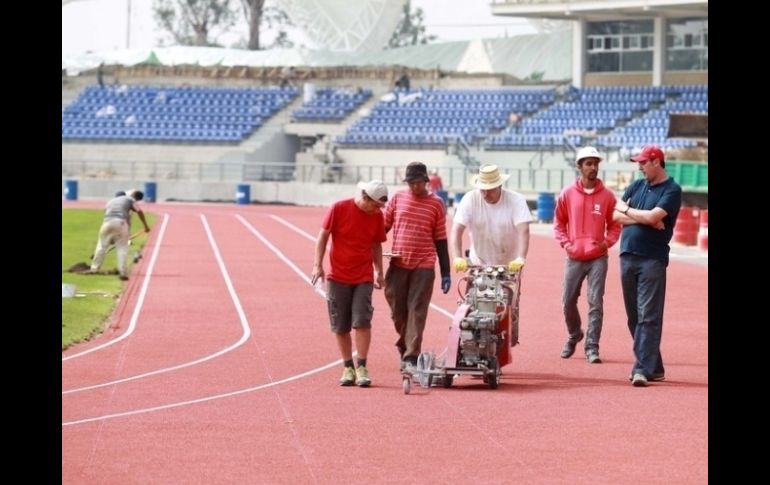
252, 12
255, 12
410, 29
192, 22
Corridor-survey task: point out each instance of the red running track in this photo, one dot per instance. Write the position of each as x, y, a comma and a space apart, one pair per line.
219, 367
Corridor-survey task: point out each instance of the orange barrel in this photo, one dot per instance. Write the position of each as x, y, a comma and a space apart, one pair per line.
686, 227
703, 232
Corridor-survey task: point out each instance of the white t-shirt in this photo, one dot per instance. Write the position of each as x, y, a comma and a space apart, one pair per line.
492, 227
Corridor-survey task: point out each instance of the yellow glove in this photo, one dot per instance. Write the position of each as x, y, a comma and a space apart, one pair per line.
460, 264
516, 265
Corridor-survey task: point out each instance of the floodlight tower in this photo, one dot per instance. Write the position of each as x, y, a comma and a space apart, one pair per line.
345, 25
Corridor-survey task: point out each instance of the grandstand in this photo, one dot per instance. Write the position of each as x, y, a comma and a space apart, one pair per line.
199, 121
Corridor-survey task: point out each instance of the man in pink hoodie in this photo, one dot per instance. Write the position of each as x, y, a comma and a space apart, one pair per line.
584, 227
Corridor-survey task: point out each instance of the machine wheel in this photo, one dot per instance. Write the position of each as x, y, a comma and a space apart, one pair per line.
424, 367
406, 384
493, 377
447, 380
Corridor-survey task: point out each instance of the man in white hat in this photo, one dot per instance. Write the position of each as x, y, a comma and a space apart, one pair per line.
584, 227
357, 229
498, 220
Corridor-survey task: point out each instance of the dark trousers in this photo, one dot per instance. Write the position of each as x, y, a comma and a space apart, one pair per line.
644, 294
408, 292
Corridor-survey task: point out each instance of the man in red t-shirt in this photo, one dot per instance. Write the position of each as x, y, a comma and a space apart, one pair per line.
435, 181
357, 231
419, 236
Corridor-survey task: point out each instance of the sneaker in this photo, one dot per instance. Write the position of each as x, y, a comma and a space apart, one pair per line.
592, 357
408, 367
569, 347
348, 377
639, 380
653, 378
362, 376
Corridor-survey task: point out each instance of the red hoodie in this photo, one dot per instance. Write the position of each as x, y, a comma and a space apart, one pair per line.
583, 220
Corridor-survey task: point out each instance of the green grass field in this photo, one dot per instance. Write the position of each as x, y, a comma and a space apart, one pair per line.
88, 312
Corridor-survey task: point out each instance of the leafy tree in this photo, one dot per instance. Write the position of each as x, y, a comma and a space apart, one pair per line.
192, 22
410, 29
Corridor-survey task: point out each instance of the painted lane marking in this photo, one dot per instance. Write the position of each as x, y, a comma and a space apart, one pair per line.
246, 330
139, 301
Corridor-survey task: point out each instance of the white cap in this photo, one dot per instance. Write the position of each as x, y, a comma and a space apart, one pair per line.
376, 190
588, 152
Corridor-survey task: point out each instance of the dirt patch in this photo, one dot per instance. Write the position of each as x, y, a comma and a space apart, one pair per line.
85, 268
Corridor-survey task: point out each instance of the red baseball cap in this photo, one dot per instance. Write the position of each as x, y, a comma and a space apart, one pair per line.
649, 152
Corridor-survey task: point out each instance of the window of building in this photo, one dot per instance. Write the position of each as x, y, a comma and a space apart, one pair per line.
687, 44
620, 46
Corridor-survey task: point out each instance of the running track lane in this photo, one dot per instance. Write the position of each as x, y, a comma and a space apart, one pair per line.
549, 417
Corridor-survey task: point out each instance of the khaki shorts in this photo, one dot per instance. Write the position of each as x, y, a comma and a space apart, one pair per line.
350, 306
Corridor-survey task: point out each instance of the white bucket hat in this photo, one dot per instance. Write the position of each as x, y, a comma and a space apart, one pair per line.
488, 178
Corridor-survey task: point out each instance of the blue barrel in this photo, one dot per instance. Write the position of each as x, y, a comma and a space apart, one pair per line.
243, 196
546, 205
444, 195
150, 189
71, 190
458, 197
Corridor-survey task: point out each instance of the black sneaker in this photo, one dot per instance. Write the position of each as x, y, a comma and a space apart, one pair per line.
592, 357
569, 347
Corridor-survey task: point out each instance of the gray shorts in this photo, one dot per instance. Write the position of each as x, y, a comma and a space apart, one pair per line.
350, 306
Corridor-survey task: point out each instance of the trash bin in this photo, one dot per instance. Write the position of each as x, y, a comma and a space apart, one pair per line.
243, 196
150, 189
546, 205
71, 190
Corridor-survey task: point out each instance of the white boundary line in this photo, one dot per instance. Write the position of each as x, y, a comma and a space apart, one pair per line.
308, 236
249, 389
232, 393
246, 330
139, 301
204, 399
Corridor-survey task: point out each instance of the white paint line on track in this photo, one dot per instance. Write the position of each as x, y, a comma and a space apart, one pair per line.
232, 393
246, 330
250, 389
139, 301
277, 251
312, 238
205, 399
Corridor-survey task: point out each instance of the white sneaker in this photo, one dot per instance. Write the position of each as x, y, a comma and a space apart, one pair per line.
639, 380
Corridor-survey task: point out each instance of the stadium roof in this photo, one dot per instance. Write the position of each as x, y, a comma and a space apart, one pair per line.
600, 9
548, 55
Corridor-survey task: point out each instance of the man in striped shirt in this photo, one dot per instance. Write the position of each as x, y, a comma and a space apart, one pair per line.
417, 219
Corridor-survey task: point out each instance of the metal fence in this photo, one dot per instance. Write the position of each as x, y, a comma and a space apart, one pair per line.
454, 178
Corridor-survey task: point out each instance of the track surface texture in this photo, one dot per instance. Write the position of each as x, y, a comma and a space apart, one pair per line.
219, 367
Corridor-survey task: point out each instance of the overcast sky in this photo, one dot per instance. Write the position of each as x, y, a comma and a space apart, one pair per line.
95, 25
